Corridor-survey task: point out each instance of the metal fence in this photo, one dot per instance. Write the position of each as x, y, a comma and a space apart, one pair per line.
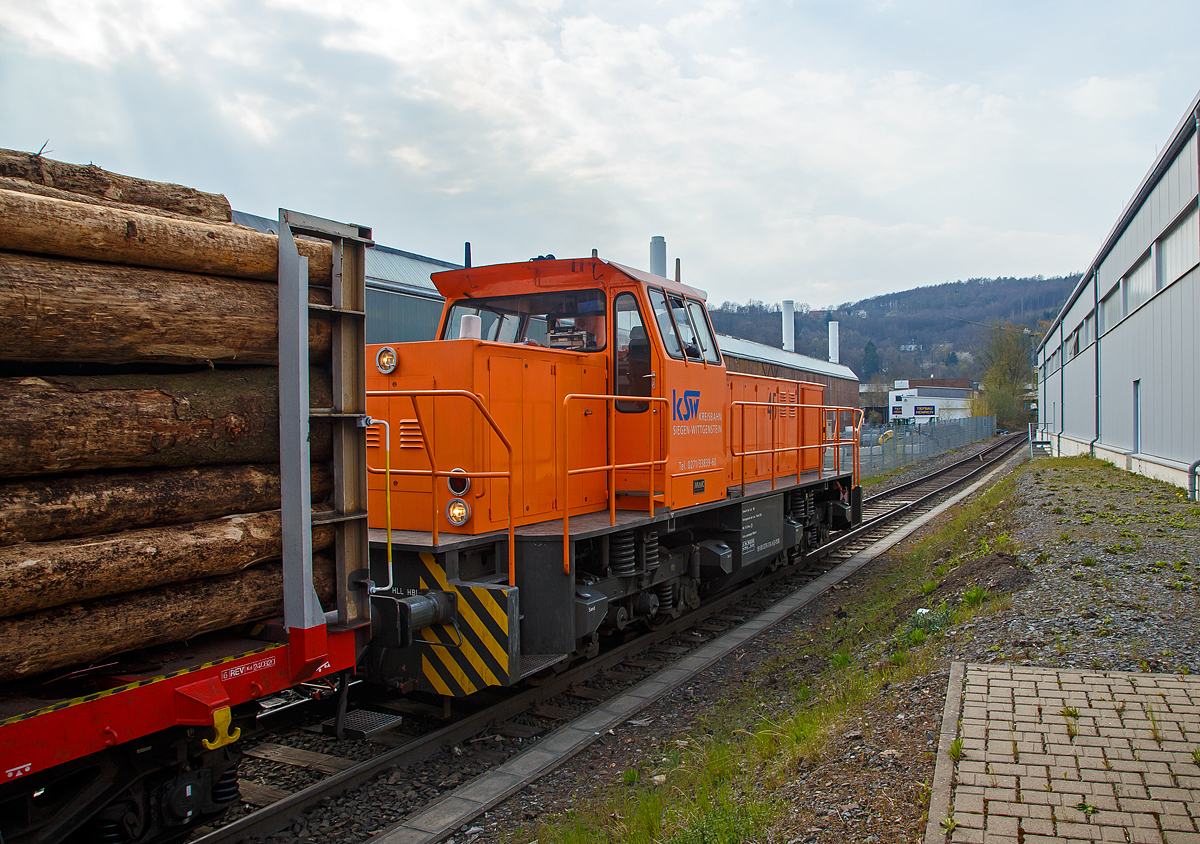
883, 448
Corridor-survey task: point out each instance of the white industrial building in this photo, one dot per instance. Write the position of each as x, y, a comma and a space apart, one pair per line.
920, 404
1119, 369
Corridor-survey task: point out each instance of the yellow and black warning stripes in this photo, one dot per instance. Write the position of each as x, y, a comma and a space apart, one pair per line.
479, 651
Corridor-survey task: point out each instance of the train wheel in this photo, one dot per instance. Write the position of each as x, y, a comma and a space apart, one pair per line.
689, 593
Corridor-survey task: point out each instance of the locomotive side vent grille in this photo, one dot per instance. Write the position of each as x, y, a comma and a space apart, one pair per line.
410, 434
374, 437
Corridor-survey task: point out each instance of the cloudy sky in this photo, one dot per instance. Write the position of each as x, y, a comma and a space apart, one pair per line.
821, 151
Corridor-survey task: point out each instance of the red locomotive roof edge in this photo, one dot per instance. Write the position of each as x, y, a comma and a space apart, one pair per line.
460, 283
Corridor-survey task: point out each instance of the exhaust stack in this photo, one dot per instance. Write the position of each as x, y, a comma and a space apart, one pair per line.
833, 343
789, 325
658, 256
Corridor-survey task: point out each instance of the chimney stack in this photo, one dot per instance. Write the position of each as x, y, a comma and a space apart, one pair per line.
833, 343
789, 325
658, 256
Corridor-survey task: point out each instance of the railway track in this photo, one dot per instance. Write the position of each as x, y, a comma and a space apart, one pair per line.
597, 693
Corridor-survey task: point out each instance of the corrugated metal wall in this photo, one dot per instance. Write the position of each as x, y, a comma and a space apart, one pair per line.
394, 317
1152, 344
1174, 192
1156, 347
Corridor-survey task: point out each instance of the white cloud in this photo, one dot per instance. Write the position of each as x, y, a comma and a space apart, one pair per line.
250, 112
1103, 99
755, 136
102, 32
411, 157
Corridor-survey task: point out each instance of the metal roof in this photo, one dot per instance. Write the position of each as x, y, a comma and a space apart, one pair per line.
750, 350
1183, 131
387, 268
404, 271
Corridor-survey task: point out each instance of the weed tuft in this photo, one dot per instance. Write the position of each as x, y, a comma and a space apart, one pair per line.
975, 596
928, 622
955, 751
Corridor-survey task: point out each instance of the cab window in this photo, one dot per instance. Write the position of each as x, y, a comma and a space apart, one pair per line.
573, 320
703, 329
633, 362
683, 324
662, 316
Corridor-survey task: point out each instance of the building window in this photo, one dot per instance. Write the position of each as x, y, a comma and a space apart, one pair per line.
1138, 285
1179, 250
1110, 310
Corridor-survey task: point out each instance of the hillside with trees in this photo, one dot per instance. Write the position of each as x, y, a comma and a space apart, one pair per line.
927, 332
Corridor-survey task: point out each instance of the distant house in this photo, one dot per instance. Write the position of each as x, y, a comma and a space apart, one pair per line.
919, 402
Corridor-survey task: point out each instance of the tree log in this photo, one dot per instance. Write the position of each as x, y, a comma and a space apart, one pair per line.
54, 309
85, 422
65, 506
48, 226
93, 181
22, 186
40, 575
79, 634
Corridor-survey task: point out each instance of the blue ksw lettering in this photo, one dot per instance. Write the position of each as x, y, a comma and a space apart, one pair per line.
687, 406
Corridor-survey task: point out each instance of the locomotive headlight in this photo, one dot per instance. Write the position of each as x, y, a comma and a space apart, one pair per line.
386, 360
457, 512
458, 483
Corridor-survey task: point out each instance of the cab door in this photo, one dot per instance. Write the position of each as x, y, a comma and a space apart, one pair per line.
694, 381
637, 372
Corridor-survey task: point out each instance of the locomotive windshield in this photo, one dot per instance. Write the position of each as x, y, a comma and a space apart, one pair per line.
570, 319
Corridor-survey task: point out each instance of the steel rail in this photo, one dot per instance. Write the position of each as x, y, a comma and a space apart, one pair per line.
271, 819
939, 472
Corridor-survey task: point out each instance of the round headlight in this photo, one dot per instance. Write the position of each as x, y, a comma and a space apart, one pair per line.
459, 483
386, 360
457, 512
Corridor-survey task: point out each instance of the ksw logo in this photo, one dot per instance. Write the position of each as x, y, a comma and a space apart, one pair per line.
687, 406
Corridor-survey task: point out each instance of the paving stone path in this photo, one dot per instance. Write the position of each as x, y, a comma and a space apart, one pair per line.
1052, 755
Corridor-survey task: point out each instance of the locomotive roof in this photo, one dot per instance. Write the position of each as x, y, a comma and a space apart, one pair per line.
569, 273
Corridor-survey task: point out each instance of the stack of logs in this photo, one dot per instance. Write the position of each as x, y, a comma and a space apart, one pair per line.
139, 430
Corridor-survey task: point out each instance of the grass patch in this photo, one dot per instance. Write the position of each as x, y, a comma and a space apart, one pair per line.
728, 785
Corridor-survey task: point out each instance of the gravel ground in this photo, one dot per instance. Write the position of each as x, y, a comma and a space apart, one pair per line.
1097, 566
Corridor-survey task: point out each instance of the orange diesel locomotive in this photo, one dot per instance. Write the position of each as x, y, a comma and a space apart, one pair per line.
571, 457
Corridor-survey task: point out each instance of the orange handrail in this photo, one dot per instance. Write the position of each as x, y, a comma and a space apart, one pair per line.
612, 466
798, 448
433, 471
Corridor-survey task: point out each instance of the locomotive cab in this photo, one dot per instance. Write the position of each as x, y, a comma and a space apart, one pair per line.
571, 456
536, 333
